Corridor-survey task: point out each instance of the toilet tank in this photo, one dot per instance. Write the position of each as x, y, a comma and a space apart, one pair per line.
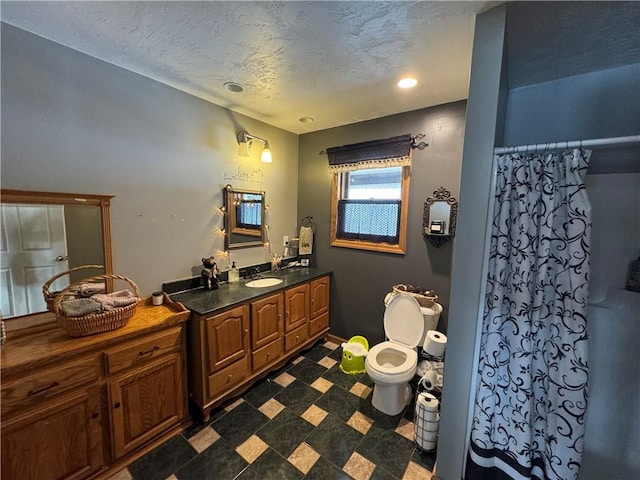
431, 316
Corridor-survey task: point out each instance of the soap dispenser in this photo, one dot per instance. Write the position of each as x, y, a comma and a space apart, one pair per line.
234, 274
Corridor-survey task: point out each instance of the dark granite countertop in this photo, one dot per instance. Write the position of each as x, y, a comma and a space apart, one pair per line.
204, 302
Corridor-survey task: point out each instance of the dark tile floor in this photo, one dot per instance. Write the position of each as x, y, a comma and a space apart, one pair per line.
306, 421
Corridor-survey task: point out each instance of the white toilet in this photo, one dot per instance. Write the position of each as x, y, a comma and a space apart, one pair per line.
393, 363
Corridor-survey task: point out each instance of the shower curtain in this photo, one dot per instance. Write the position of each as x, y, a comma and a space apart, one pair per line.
531, 398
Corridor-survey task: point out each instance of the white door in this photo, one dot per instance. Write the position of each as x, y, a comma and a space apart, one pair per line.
33, 248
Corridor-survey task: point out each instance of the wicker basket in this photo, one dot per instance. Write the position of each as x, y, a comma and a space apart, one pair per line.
95, 322
425, 298
49, 297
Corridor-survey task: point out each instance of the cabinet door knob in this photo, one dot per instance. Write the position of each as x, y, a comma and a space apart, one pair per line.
117, 405
95, 415
312, 301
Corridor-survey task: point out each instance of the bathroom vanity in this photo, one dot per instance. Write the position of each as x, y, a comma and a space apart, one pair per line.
238, 334
73, 407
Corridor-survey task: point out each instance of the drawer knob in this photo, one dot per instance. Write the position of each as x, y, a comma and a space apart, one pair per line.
150, 351
268, 355
229, 378
31, 393
297, 337
95, 415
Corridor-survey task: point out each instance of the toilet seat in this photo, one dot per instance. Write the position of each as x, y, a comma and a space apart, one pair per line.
409, 363
403, 320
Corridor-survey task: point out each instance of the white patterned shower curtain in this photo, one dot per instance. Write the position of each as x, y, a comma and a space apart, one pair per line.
531, 398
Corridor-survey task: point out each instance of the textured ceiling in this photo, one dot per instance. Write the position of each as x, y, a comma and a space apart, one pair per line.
337, 62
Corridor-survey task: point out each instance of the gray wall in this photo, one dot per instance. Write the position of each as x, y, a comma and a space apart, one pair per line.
72, 123
361, 278
469, 263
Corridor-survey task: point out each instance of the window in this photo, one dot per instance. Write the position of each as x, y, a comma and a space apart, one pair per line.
369, 209
249, 211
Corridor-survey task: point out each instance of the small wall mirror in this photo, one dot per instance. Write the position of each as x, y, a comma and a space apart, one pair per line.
245, 212
45, 234
439, 218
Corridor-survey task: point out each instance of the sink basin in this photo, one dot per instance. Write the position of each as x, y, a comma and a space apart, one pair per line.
264, 282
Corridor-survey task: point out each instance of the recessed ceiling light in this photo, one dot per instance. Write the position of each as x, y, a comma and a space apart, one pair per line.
305, 119
234, 87
407, 82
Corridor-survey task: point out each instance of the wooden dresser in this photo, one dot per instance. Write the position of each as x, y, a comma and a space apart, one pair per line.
77, 408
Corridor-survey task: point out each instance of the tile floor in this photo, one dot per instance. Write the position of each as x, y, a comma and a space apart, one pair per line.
308, 420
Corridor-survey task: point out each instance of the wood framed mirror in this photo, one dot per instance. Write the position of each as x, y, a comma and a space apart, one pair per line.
245, 212
439, 217
44, 234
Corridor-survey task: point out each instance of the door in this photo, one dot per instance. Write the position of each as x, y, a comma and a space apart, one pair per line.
319, 296
60, 441
296, 306
33, 248
266, 321
146, 402
227, 337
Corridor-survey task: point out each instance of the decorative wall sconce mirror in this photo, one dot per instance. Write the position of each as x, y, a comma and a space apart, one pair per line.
244, 218
439, 218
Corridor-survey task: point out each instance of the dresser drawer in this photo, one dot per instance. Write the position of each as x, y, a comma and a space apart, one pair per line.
226, 378
48, 383
266, 355
295, 338
318, 324
139, 351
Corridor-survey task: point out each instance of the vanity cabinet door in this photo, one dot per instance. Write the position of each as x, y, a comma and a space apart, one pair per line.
296, 306
227, 337
146, 402
266, 321
62, 440
319, 296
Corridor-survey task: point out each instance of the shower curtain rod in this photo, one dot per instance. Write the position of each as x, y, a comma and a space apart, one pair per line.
595, 142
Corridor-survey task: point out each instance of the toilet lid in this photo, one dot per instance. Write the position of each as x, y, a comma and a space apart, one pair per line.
403, 322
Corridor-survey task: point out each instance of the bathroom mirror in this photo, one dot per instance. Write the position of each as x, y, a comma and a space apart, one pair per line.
245, 212
439, 218
44, 234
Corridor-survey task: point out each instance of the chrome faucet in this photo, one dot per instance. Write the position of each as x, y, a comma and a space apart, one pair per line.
253, 272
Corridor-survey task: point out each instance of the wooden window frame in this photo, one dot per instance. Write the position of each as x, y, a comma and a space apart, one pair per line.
337, 189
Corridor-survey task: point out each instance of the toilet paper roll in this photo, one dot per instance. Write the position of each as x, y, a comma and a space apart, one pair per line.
428, 402
430, 380
431, 426
427, 437
430, 416
427, 445
435, 343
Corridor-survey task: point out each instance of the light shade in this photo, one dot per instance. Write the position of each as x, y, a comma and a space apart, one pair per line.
243, 149
266, 155
245, 139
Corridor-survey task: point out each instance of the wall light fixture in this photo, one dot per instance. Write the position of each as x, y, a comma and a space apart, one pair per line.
245, 140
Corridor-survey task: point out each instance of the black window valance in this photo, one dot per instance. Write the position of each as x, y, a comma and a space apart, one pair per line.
388, 152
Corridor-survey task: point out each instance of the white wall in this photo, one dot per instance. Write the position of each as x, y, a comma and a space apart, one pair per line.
72, 123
